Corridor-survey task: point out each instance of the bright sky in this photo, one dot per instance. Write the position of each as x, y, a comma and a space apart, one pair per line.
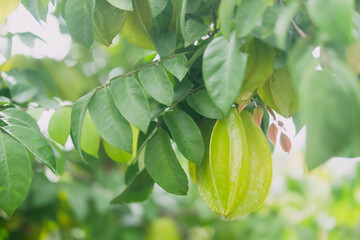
56, 45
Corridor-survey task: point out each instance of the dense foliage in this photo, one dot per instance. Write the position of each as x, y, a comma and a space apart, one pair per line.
206, 58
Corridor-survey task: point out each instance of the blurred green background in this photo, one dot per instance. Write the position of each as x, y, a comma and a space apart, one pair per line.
322, 205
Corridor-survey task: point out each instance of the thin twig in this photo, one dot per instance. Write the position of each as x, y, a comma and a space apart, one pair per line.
270, 111
298, 30
148, 65
296, 27
184, 97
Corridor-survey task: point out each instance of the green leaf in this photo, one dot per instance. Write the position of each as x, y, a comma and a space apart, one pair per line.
122, 4
266, 96
190, 27
121, 155
182, 89
259, 67
186, 135
138, 25
181, 24
166, 19
28, 38
138, 190
36, 113
23, 92
162, 165
16, 116
15, 174
201, 103
129, 98
35, 143
4, 100
301, 62
329, 124
226, 12
157, 7
78, 15
115, 154
90, 138
283, 92
223, 71
197, 54
178, 66
283, 23
194, 31
164, 42
143, 138
350, 82
131, 172
59, 125
265, 30
108, 21
157, 84
265, 127
248, 15
351, 150
333, 17
77, 119
111, 125
298, 123
7, 40
37, 8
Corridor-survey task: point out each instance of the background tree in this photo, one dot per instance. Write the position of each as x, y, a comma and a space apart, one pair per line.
203, 58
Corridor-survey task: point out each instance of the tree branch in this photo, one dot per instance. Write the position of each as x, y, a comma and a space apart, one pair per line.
149, 65
183, 98
299, 32
270, 111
